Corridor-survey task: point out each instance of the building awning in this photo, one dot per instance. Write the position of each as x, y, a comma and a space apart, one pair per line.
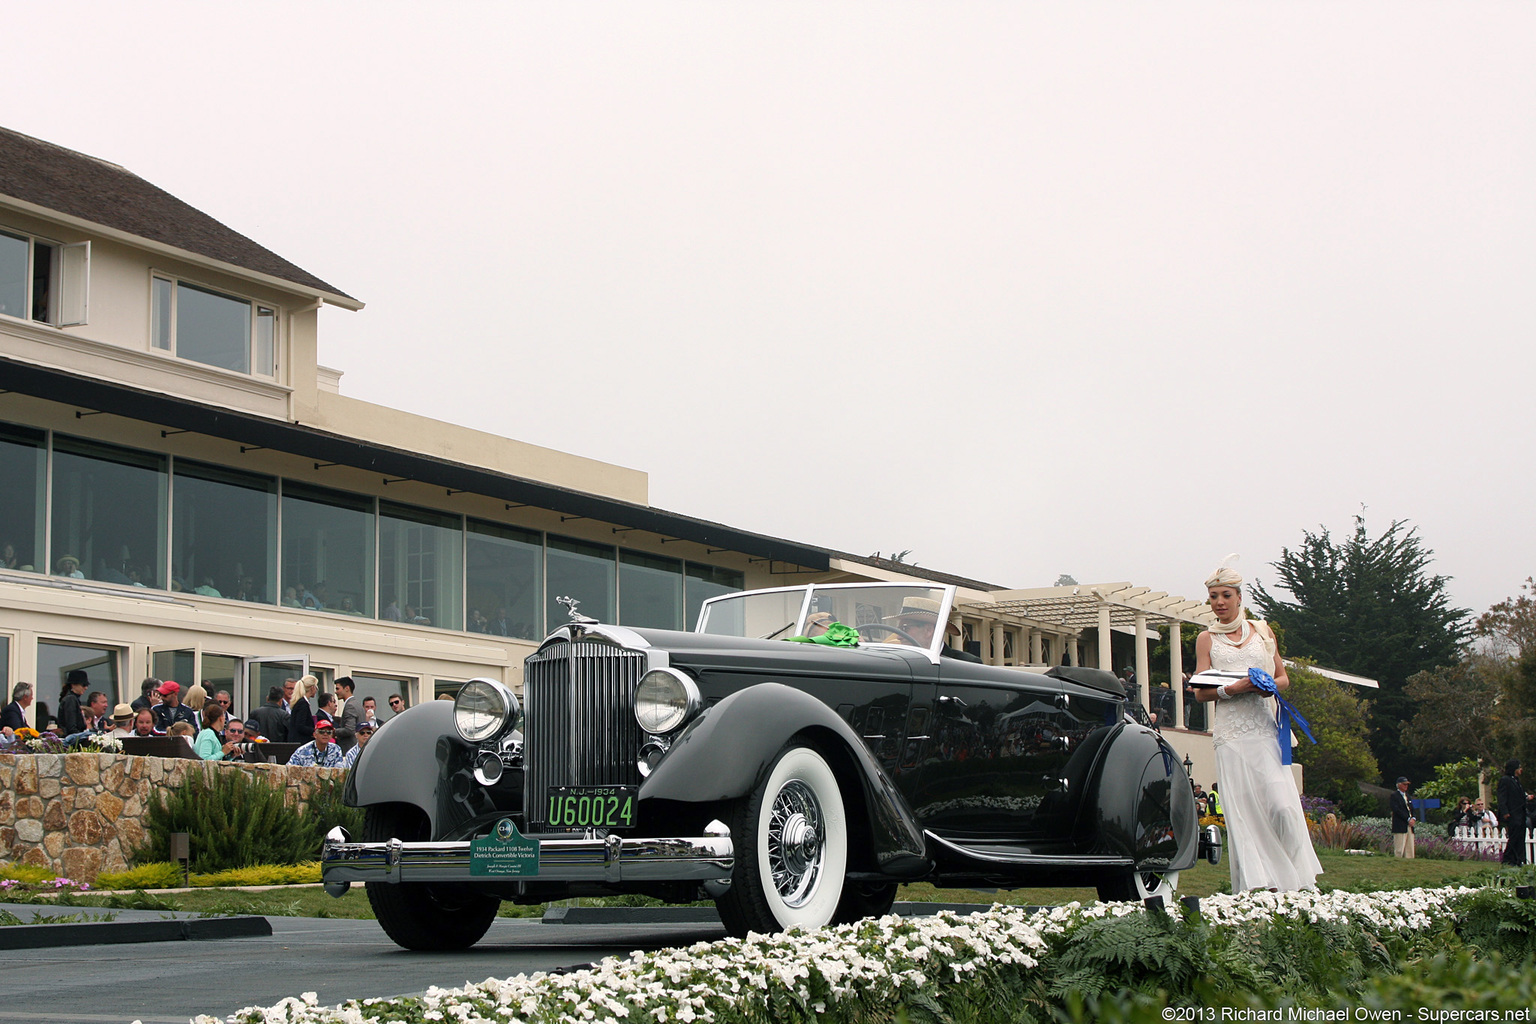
175, 413
1071, 609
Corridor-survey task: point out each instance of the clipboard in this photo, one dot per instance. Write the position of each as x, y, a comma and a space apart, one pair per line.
1211, 678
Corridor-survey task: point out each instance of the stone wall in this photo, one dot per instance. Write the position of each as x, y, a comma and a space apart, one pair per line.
82, 814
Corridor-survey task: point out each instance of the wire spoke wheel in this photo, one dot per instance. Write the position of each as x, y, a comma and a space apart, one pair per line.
791, 840
795, 852
1140, 885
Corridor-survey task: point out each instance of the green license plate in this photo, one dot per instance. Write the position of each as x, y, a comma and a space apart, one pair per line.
611, 807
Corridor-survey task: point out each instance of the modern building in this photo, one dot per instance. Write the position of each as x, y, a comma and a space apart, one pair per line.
185, 493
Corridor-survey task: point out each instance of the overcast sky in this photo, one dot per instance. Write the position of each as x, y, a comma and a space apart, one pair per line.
1029, 289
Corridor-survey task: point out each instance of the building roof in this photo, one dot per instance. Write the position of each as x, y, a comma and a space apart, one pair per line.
917, 571
63, 181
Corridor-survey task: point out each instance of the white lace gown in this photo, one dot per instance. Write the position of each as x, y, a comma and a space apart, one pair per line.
1267, 838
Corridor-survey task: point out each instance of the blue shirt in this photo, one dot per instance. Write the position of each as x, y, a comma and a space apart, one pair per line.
330, 757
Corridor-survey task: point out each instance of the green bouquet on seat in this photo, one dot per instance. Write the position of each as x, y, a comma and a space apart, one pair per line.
837, 635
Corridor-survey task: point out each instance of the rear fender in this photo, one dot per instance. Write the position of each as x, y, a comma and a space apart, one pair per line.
726, 753
1145, 807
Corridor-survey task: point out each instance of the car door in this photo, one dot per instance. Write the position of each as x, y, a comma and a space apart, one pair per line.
993, 762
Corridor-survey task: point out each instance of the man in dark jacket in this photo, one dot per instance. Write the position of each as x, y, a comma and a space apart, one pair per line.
15, 714
149, 689
271, 720
171, 710
1402, 821
1514, 813
350, 713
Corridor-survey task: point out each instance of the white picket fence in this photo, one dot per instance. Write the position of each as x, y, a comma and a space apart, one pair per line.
1493, 839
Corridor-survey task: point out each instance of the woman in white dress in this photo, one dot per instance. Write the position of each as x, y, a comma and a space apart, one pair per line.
1267, 835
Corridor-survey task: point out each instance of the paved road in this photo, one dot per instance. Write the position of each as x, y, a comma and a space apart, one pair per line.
169, 982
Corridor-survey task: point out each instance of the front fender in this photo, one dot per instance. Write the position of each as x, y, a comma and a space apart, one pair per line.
412, 759
1146, 807
728, 751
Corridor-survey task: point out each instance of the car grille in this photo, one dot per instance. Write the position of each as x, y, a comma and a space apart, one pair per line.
579, 723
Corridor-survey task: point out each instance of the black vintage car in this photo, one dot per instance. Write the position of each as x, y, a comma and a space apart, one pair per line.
794, 758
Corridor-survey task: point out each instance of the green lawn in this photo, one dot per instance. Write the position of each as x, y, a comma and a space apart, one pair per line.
1341, 871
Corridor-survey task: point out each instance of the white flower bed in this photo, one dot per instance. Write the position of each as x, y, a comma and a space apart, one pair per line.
875, 959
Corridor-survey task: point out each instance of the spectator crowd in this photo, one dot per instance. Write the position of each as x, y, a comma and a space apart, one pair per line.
323, 728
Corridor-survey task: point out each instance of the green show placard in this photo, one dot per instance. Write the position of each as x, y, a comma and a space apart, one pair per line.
505, 853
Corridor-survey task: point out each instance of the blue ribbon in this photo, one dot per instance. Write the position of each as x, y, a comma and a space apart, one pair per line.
1288, 713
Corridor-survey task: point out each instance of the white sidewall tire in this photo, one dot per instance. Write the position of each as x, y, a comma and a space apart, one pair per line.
805, 765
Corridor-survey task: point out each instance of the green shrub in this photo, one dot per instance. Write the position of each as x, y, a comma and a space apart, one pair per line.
26, 873
1497, 921
165, 875
236, 820
1449, 980
263, 874
326, 811
157, 875
1353, 804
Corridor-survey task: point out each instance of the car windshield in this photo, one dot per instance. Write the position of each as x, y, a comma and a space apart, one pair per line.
883, 613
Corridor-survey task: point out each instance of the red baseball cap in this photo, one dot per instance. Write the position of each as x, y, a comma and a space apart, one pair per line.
169, 686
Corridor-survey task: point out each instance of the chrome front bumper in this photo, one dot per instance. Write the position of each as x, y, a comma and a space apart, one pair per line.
707, 858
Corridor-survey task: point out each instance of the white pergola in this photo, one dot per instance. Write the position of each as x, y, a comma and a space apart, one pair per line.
1058, 615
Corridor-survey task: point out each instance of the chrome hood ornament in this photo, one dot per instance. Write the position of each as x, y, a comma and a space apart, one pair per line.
571, 604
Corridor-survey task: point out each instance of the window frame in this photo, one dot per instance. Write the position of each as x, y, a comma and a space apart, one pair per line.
257, 306
69, 274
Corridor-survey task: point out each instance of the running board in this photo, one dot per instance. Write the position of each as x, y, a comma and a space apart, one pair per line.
1014, 857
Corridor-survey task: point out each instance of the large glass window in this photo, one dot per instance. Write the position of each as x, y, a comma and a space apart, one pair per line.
327, 550
503, 578
212, 328
222, 672
574, 568
704, 582
108, 513
381, 688
180, 666
56, 660
261, 675
421, 572
650, 590
22, 472
224, 533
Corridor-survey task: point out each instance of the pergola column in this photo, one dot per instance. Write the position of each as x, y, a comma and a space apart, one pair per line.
1105, 652
1176, 669
997, 643
1074, 655
1143, 677
1035, 655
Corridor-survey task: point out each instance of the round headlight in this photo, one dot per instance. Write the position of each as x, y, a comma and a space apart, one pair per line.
665, 700
483, 709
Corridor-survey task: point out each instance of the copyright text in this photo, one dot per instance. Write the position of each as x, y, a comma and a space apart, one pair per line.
1430, 1015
